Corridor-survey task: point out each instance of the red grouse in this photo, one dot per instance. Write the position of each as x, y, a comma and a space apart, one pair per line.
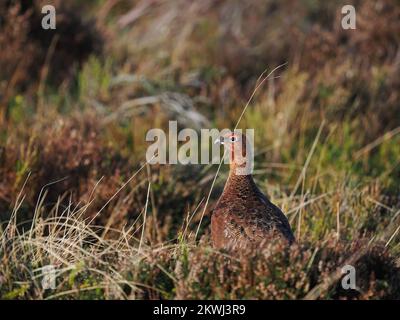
243, 216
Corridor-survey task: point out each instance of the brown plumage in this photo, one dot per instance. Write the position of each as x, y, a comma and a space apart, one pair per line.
243, 216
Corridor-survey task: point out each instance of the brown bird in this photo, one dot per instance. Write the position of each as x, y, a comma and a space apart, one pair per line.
243, 215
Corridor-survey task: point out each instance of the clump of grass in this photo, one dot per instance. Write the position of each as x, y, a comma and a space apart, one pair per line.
31, 54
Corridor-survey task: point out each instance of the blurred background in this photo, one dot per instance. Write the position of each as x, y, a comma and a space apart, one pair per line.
77, 101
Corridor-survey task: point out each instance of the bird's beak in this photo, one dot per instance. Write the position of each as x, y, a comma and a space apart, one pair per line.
219, 140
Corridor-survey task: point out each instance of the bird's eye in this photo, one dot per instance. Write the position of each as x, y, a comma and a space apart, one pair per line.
233, 139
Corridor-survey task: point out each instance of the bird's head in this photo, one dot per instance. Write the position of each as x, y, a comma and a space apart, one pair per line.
240, 151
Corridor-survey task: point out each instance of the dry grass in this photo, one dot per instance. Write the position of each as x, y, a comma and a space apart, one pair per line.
91, 265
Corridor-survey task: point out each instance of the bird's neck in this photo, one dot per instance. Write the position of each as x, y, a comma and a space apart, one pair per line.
240, 165
234, 180
240, 171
